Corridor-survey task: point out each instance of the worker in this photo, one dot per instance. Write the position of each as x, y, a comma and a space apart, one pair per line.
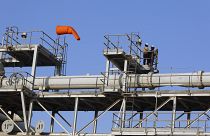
156, 57
151, 56
145, 54
139, 42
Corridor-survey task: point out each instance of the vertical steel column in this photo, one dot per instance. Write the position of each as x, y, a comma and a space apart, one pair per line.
24, 111
1, 55
173, 114
123, 113
52, 122
33, 70
124, 75
188, 119
58, 70
33, 73
140, 118
75, 116
95, 122
107, 72
30, 114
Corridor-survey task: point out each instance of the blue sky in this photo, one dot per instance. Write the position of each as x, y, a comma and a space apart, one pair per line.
180, 29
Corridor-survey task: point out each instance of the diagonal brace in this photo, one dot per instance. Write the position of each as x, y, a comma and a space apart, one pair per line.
99, 116
52, 117
159, 107
11, 120
204, 113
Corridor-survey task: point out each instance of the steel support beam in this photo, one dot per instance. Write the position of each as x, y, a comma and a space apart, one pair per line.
120, 116
24, 110
124, 87
107, 73
52, 117
207, 116
11, 120
123, 113
34, 62
95, 122
30, 114
64, 119
180, 116
52, 122
102, 113
140, 119
159, 107
75, 116
188, 119
173, 115
192, 122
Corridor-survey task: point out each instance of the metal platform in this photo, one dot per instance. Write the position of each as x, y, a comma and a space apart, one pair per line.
92, 101
143, 101
22, 56
194, 100
118, 57
158, 131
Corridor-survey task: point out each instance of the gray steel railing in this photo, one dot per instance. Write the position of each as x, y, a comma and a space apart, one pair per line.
13, 38
162, 119
18, 80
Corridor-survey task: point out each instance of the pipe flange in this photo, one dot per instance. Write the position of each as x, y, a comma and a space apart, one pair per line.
138, 80
200, 73
120, 80
150, 74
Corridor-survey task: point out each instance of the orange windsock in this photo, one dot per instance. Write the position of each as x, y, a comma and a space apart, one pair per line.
60, 30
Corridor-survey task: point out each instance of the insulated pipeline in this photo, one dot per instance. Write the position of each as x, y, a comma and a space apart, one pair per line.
198, 79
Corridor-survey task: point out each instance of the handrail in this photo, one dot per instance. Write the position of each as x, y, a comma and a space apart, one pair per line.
13, 79
132, 47
45, 34
14, 37
11, 38
133, 42
162, 119
47, 43
111, 42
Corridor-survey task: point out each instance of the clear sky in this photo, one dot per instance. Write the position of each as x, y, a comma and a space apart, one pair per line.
179, 28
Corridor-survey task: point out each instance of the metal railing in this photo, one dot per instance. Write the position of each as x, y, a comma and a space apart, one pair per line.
126, 41
107, 80
131, 44
19, 80
162, 119
13, 38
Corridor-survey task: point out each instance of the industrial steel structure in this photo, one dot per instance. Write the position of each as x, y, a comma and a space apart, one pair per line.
129, 88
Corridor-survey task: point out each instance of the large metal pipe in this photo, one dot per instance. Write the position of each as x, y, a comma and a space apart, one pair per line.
196, 79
